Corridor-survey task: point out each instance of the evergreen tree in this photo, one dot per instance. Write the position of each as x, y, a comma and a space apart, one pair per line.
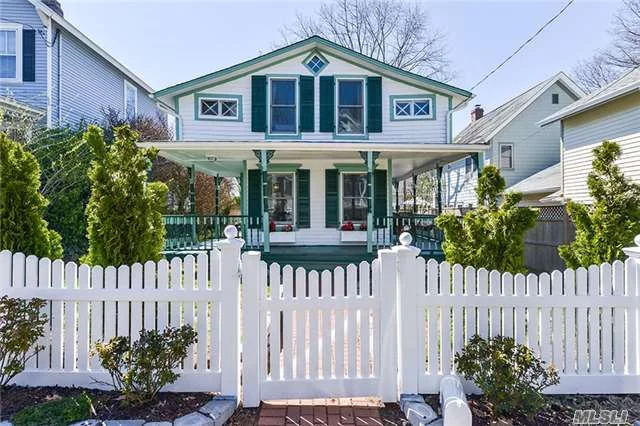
22, 227
124, 213
492, 235
612, 221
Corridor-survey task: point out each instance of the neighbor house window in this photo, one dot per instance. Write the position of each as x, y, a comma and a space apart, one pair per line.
555, 98
280, 194
283, 106
218, 108
10, 53
130, 100
506, 156
351, 107
412, 109
468, 166
354, 197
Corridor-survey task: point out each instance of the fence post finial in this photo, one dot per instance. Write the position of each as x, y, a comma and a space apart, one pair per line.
231, 232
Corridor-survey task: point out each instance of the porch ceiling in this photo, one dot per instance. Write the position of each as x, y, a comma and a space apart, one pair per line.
227, 158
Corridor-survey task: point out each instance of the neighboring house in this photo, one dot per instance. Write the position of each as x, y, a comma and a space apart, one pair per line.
48, 66
317, 134
611, 113
538, 188
517, 145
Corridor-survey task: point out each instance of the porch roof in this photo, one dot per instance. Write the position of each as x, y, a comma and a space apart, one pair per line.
227, 158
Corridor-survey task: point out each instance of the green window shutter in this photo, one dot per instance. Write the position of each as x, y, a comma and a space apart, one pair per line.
380, 195
258, 103
28, 55
306, 103
303, 197
331, 201
374, 104
327, 104
255, 210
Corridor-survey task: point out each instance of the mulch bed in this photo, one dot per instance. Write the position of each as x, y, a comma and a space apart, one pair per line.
244, 417
108, 404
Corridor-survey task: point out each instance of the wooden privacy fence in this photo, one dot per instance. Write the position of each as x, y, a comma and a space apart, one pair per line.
383, 328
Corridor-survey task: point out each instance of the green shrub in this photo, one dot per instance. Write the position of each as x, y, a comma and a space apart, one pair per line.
492, 235
21, 325
612, 221
60, 412
141, 369
22, 206
510, 375
124, 214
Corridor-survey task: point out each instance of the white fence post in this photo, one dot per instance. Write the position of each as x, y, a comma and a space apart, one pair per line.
633, 314
251, 329
407, 312
230, 308
388, 383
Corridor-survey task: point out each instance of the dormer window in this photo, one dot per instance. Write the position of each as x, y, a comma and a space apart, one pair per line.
218, 107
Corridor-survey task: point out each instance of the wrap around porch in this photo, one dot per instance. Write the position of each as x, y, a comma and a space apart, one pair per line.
331, 203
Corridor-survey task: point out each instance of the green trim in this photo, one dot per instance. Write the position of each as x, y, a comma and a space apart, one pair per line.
264, 164
389, 187
392, 109
283, 167
336, 86
311, 40
283, 136
350, 167
178, 119
450, 120
244, 189
315, 52
196, 106
370, 181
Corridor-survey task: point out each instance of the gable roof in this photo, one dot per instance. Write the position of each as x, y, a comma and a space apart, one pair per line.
50, 13
628, 83
300, 47
546, 180
483, 130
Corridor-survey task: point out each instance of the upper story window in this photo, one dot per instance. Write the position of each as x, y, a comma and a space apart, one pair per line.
555, 98
316, 63
10, 52
350, 107
468, 166
130, 100
218, 107
506, 156
283, 106
354, 197
412, 109
281, 197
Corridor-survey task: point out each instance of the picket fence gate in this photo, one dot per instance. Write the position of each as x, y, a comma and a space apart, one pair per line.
383, 328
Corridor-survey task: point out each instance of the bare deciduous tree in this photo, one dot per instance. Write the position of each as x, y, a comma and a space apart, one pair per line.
623, 54
392, 31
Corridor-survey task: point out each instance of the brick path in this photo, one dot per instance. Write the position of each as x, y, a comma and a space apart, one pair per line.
324, 412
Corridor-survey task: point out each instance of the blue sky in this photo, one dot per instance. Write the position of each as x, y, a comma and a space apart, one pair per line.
166, 42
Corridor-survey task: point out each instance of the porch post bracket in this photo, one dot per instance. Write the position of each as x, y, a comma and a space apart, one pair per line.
364, 156
258, 154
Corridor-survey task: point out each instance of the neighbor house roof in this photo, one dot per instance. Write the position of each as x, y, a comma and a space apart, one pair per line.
546, 180
628, 83
481, 131
13, 106
292, 50
50, 13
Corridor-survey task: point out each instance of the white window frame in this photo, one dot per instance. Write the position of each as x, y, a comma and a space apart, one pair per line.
412, 102
364, 106
513, 156
341, 195
294, 218
18, 30
128, 86
297, 105
220, 99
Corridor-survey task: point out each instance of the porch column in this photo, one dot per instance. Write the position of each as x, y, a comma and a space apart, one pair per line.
396, 185
370, 184
192, 188
216, 181
264, 164
439, 189
415, 193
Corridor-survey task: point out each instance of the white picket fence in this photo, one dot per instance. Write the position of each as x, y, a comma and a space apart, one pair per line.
382, 328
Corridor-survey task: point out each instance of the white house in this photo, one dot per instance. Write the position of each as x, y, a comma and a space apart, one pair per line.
316, 133
611, 113
515, 141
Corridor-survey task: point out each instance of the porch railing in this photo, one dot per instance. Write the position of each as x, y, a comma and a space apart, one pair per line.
422, 227
202, 232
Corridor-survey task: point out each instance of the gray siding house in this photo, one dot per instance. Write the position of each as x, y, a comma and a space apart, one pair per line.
518, 146
49, 68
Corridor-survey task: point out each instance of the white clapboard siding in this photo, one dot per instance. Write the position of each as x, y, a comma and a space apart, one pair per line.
87, 304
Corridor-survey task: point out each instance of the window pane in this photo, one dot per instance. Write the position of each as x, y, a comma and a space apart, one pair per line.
7, 67
421, 108
131, 102
350, 120
283, 119
280, 192
354, 209
354, 184
208, 107
350, 92
229, 108
8, 42
354, 197
506, 156
403, 108
280, 185
283, 92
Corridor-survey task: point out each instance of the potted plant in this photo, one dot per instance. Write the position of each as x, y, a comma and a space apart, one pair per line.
281, 234
352, 233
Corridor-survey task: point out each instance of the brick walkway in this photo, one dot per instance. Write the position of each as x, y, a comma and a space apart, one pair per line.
324, 412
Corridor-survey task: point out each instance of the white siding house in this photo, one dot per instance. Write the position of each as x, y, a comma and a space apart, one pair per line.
517, 144
612, 113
